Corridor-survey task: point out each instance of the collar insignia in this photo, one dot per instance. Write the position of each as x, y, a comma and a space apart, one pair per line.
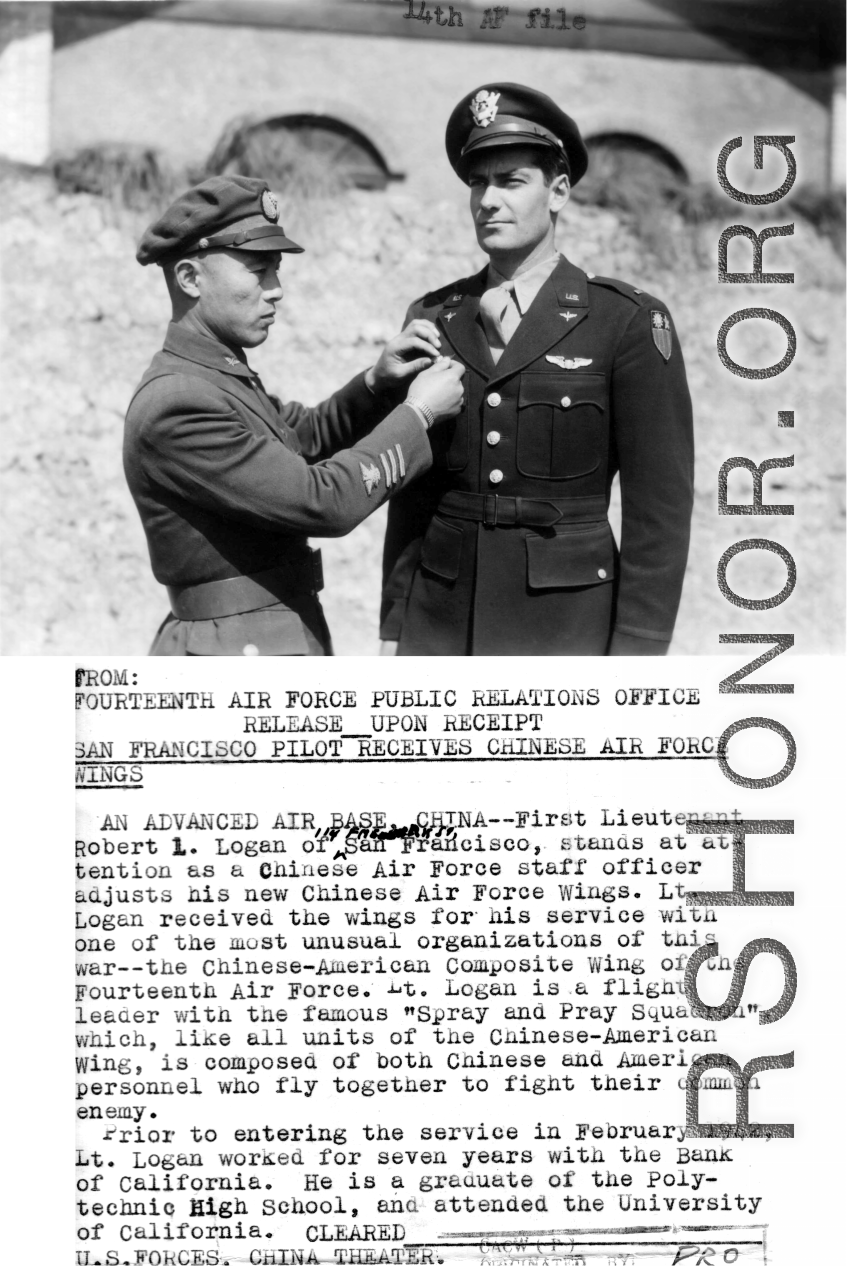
572, 298
569, 316
484, 107
232, 360
448, 316
270, 207
370, 477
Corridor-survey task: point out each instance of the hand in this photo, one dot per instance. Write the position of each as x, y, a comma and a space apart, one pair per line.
388, 648
440, 387
406, 355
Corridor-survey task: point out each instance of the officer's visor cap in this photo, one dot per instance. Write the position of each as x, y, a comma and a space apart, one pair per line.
502, 114
236, 212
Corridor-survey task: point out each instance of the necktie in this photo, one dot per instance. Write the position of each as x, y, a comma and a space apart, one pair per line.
499, 315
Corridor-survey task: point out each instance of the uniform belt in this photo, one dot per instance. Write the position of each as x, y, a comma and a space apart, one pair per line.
492, 510
217, 598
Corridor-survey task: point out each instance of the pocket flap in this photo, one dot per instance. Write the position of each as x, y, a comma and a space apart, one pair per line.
442, 549
573, 557
555, 389
272, 631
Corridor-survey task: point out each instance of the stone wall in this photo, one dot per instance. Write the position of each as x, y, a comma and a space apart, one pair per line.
177, 85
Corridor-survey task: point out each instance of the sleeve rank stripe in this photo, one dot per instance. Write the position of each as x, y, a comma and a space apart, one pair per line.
400, 460
388, 480
394, 473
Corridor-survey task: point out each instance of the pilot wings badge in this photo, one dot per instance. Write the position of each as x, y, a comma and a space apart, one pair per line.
370, 477
577, 362
484, 107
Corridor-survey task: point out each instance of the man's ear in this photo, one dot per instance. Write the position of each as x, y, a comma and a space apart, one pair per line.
187, 275
560, 192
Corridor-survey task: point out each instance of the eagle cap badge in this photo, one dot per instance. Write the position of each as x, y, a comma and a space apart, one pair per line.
270, 207
484, 107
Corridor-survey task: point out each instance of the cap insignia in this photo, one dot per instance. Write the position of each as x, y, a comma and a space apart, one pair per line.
484, 107
270, 207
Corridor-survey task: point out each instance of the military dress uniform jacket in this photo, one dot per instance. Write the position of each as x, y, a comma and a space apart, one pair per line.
505, 546
229, 484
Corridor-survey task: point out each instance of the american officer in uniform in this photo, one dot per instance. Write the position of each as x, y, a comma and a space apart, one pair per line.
229, 483
504, 547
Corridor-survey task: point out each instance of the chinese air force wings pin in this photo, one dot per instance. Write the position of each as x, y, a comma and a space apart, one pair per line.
576, 362
661, 323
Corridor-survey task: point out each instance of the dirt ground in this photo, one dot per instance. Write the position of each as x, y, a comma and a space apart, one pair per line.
82, 321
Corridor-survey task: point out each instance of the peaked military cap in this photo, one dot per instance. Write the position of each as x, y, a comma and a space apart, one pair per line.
238, 212
500, 114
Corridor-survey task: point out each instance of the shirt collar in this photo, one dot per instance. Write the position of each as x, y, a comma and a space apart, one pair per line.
528, 284
204, 350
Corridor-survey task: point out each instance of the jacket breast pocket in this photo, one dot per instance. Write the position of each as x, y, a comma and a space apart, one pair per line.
573, 557
562, 425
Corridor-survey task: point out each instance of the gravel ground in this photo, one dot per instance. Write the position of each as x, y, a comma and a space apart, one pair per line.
82, 321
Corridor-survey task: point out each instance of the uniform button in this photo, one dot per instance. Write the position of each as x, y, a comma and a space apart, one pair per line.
495, 476
566, 402
250, 649
494, 398
492, 438
601, 572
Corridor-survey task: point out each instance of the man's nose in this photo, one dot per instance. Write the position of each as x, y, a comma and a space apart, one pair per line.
490, 198
273, 293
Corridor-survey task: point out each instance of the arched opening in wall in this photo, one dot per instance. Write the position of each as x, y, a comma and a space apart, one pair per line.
627, 171
301, 154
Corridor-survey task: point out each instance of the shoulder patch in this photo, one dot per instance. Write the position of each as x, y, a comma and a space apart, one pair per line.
622, 287
660, 324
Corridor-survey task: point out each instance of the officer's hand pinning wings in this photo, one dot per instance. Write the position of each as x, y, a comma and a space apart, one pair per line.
407, 354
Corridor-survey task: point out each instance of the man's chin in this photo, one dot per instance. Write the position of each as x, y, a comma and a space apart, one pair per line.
493, 240
257, 337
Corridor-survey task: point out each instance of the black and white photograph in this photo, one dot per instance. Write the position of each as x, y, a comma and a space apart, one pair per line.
512, 219
346, 342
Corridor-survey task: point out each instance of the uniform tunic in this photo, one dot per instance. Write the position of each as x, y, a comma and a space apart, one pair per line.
229, 483
505, 548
